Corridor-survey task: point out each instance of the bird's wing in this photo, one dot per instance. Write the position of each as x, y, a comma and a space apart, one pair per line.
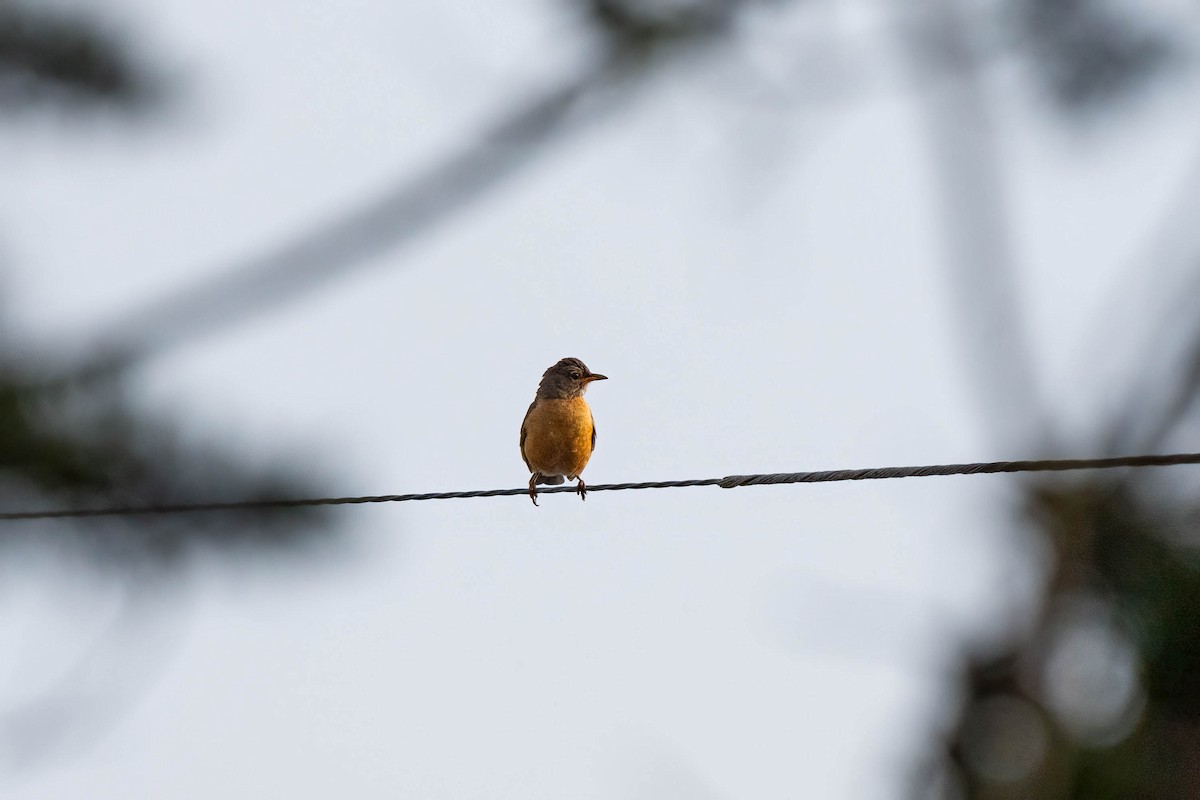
524, 433
593, 416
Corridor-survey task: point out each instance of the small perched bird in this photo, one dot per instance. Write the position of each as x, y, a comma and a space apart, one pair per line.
558, 433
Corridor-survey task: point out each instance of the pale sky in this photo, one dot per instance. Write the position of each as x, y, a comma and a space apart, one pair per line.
764, 287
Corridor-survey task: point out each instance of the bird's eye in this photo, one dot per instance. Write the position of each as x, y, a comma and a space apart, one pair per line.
576, 375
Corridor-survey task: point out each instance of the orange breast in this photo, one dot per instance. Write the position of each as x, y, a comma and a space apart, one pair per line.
558, 437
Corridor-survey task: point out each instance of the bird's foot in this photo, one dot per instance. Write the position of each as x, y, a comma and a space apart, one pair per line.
581, 487
533, 488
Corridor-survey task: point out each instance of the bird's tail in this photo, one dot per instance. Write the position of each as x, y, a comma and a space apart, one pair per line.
550, 480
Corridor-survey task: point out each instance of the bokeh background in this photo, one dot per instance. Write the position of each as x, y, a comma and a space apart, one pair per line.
281, 250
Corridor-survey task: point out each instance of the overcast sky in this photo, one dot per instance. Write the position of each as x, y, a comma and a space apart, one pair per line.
764, 286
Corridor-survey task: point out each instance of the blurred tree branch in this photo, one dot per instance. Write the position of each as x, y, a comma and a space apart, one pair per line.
63, 442
635, 39
105, 680
1097, 698
350, 239
1097, 695
968, 167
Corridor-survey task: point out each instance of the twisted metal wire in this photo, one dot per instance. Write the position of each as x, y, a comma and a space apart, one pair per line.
728, 482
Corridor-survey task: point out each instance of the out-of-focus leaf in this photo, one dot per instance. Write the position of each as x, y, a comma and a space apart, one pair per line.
1089, 53
642, 27
86, 446
50, 57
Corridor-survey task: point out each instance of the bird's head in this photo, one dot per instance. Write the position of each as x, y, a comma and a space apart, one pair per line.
567, 379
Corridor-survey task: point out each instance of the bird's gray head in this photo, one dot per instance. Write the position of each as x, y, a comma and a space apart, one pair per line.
567, 379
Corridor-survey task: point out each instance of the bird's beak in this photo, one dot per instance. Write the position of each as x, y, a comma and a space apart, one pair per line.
595, 377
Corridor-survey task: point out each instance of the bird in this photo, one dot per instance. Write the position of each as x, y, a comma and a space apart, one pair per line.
558, 433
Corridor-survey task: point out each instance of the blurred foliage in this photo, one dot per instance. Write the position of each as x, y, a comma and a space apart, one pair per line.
1090, 53
1098, 696
50, 56
77, 443
648, 26
85, 446
84, 443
